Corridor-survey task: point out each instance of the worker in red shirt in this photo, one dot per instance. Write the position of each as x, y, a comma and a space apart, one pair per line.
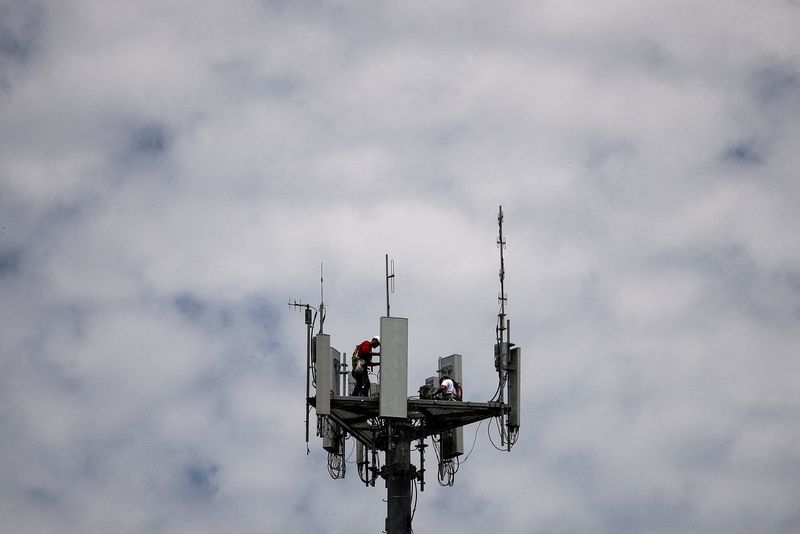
362, 361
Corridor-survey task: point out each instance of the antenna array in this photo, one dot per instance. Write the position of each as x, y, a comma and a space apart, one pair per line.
390, 422
506, 357
502, 323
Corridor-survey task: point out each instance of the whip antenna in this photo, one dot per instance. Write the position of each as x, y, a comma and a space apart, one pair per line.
389, 283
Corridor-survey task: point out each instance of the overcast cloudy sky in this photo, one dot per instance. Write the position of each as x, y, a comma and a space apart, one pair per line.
173, 172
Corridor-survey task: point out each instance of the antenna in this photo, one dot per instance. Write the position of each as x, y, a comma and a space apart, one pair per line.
502, 325
389, 281
386, 425
501, 330
321, 300
309, 328
507, 360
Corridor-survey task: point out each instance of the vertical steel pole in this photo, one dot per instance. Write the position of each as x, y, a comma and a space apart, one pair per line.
398, 481
421, 475
308, 372
387, 286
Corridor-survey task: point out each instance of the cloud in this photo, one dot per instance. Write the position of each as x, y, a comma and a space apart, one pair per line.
171, 175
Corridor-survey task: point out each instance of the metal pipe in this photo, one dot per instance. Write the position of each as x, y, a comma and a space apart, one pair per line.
308, 371
387, 286
421, 446
398, 483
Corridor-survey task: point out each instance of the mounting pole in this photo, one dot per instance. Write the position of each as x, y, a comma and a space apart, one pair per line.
309, 332
501, 348
388, 278
501, 242
398, 473
308, 371
421, 475
321, 301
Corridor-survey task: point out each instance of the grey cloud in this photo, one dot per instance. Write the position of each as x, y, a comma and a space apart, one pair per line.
151, 140
744, 153
247, 79
201, 479
45, 498
10, 261
170, 179
777, 84
190, 306
21, 26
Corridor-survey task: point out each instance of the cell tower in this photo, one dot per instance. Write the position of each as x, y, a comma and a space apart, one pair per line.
389, 421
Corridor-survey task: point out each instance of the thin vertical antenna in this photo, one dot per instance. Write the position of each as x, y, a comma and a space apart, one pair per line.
309, 330
501, 317
389, 278
309, 327
321, 300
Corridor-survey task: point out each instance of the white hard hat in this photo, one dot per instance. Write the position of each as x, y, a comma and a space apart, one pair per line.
377, 338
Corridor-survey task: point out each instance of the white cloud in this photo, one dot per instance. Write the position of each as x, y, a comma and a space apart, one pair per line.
171, 174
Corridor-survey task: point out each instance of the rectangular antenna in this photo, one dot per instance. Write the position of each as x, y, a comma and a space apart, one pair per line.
453, 440
336, 382
514, 383
332, 440
322, 368
394, 367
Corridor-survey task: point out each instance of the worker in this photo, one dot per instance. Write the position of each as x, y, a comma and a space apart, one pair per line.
362, 361
449, 389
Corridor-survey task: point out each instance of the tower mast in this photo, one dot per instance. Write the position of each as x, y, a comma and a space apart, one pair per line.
391, 421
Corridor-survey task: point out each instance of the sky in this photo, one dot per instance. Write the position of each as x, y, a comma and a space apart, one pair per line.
173, 173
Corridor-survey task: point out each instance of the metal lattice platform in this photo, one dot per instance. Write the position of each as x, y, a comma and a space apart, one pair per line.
359, 417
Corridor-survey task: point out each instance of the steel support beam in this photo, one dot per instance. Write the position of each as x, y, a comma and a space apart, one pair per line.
398, 473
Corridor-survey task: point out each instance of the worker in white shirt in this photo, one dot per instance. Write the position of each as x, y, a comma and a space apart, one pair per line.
449, 389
